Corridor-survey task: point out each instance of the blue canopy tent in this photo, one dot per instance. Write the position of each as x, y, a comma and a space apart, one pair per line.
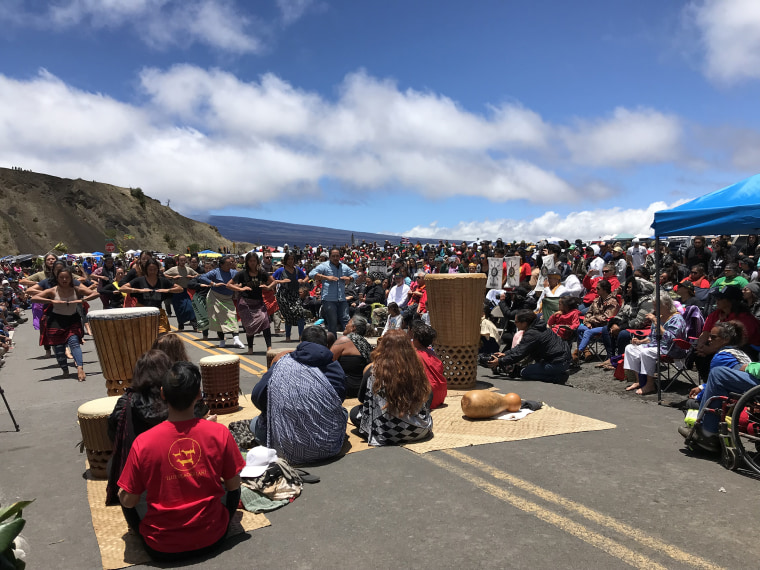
732, 210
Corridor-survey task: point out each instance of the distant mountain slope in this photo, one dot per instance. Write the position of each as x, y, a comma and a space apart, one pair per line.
267, 232
39, 211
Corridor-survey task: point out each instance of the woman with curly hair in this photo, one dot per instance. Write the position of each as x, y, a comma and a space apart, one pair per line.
395, 394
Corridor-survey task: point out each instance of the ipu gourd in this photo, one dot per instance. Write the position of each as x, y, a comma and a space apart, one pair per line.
484, 404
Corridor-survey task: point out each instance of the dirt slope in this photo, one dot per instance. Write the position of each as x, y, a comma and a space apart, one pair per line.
37, 211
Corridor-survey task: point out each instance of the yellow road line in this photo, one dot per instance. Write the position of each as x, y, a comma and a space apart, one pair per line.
563, 523
194, 342
588, 513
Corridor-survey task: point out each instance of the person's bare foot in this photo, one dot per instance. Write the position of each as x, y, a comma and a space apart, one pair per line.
646, 390
249, 351
632, 387
81, 376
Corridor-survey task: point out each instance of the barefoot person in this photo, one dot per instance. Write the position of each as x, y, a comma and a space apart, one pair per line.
641, 354
63, 326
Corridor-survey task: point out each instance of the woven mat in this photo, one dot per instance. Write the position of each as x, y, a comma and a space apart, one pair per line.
247, 411
119, 548
451, 429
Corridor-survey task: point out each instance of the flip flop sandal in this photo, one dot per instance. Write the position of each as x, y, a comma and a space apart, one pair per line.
307, 477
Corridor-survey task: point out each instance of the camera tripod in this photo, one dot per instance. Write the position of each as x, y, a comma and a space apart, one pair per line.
2, 393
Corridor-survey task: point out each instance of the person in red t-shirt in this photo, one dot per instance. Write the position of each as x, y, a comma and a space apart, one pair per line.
184, 465
422, 336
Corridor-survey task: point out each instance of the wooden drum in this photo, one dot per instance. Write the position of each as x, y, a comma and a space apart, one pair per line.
121, 337
93, 421
455, 304
221, 382
274, 354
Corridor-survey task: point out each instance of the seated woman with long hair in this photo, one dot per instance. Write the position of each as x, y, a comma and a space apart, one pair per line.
139, 409
395, 394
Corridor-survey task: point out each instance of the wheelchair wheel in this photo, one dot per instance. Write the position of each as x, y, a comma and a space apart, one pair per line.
745, 429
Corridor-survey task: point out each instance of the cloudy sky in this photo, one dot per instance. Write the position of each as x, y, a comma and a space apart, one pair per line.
439, 118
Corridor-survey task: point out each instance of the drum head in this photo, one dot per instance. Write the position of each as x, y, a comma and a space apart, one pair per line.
219, 360
130, 313
99, 407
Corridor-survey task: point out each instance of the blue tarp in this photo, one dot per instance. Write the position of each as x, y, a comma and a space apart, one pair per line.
731, 210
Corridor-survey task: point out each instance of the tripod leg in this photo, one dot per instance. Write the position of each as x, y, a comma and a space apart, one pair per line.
2, 393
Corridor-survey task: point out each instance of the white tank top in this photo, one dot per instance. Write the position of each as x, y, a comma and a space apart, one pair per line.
65, 309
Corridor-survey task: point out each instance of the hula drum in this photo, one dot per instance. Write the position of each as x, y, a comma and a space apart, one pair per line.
121, 337
221, 382
274, 354
455, 304
93, 421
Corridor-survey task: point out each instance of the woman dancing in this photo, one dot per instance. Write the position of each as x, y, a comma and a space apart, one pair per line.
253, 312
63, 327
290, 279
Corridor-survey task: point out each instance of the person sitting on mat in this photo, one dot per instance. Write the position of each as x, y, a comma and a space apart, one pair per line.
551, 353
395, 394
301, 402
184, 465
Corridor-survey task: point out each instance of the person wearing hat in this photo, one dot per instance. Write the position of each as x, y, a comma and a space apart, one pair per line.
553, 288
685, 291
399, 292
730, 306
751, 294
637, 254
620, 263
184, 466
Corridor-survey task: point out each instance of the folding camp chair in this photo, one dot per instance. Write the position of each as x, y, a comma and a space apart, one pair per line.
676, 368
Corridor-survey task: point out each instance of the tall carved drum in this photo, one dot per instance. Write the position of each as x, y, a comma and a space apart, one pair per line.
93, 421
121, 337
221, 382
455, 304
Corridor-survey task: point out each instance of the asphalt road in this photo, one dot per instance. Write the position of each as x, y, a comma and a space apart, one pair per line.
630, 496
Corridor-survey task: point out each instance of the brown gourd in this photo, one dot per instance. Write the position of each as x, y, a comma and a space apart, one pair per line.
479, 404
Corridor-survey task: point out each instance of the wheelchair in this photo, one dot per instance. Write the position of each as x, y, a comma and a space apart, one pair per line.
738, 428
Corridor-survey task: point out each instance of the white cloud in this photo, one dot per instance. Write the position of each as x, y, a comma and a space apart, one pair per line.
293, 10
159, 23
730, 37
628, 137
207, 140
585, 224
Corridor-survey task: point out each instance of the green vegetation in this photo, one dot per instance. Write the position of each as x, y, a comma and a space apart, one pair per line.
171, 243
11, 525
61, 247
140, 195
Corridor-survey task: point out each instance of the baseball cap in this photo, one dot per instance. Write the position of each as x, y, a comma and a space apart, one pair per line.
257, 460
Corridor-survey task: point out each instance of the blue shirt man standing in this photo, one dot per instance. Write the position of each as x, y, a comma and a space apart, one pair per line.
334, 276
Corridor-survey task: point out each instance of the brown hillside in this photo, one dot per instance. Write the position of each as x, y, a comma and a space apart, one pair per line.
39, 211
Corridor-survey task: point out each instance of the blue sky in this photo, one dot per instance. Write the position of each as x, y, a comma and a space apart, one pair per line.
486, 119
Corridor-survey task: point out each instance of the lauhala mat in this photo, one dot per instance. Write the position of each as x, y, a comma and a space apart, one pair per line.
451, 429
120, 548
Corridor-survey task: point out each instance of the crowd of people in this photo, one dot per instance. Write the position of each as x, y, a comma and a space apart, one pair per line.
569, 298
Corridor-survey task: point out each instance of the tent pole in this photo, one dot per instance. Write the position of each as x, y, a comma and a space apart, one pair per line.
658, 270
